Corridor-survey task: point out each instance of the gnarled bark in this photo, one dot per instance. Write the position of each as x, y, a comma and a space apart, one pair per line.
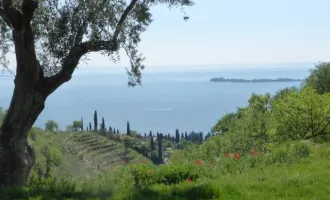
16, 156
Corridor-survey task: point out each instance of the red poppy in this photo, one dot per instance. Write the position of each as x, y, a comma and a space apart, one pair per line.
227, 155
253, 152
189, 180
123, 162
197, 162
237, 156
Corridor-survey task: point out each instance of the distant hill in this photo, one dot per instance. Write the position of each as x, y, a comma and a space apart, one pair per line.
234, 80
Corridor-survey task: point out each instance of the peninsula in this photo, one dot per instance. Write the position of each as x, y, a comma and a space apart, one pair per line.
234, 80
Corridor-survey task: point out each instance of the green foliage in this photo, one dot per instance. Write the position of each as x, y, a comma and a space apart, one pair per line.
51, 126
224, 123
2, 114
283, 92
146, 175
249, 128
319, 78
169, 144
302, 115
77, 125
288, 152
48, 152
69, 128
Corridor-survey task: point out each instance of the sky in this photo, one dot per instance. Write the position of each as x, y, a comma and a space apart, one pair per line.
234, 32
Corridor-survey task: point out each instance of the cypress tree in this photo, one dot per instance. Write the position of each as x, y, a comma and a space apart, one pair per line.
128, 129
177, 136
82, 124
182, 136
145, 135
201, 137
150, 134
114, 130
117, 131
90, 126
152, 144
160, 148
110, 129
103, 125
95, 121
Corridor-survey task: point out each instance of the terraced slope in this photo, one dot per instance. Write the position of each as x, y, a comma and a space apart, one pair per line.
88, 154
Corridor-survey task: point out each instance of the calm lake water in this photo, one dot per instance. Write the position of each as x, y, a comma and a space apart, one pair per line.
167, 99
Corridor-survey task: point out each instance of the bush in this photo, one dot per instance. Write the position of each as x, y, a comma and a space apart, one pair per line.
144, 175
289, 152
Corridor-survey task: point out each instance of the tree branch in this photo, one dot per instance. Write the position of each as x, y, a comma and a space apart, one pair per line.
28, 8
123, 18
10, 15
50, 84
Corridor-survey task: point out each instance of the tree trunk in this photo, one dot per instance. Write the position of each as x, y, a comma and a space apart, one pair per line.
16, 156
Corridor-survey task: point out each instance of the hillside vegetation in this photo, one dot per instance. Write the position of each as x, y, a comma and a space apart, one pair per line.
277, 147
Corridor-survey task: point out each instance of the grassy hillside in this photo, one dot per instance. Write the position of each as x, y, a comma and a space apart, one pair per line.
78, 154
98, 153
300, 173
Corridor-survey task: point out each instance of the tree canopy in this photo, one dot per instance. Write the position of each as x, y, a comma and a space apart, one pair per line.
51, 125
65, 31
319, 78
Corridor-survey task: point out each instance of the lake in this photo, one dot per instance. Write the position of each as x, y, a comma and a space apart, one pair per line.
168, 99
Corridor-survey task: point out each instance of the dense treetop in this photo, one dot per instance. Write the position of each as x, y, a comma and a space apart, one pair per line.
74, 28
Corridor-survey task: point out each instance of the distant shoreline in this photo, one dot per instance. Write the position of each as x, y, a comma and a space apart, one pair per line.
265, 80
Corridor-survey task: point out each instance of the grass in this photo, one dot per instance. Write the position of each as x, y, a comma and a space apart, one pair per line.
296, 171
303, 180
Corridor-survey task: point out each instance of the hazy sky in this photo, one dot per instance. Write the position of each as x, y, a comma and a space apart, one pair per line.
235, 32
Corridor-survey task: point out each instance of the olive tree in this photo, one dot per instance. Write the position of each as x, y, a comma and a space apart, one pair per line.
50, 38
51, 126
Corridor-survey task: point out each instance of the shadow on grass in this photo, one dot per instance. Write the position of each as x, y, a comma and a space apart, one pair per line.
25, 194
180, 192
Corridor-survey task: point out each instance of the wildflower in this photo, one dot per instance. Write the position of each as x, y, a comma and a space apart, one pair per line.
227, 155
197, 162
149, 171
189, 180
212, 164
253, 152
113, 169
143, 161
237, 156
123, 162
